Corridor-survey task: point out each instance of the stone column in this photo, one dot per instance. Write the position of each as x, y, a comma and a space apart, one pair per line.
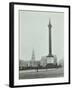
50, 43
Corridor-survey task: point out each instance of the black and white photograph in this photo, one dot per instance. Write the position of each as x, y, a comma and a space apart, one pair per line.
41, 44
41, 50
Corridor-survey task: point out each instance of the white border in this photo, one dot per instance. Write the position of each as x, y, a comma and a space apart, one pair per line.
16, 42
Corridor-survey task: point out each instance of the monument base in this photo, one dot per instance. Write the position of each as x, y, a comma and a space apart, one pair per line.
51, 59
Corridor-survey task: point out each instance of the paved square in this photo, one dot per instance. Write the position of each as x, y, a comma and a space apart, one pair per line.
44, 73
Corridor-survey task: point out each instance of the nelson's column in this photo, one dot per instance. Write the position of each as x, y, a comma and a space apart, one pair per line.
51, 59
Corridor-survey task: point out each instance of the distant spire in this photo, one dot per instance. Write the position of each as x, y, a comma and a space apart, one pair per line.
33, 55
49, 21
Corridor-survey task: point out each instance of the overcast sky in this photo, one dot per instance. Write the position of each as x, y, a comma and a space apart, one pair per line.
33, 28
